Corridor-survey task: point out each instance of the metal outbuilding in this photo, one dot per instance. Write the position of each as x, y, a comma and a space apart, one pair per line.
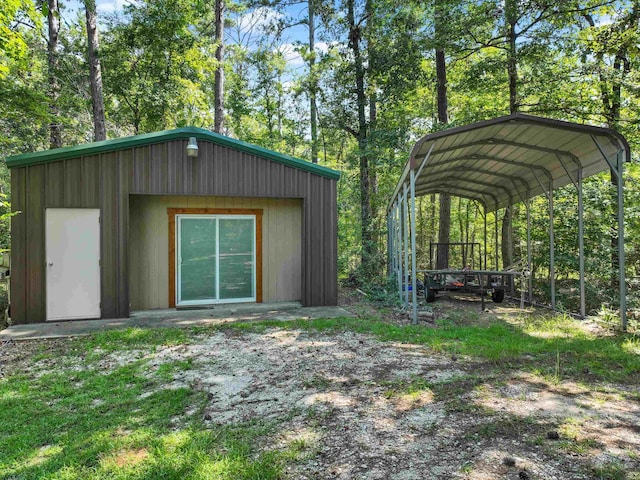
140, 223
498, 163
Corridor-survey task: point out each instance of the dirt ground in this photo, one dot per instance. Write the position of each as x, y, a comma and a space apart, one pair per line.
363, 410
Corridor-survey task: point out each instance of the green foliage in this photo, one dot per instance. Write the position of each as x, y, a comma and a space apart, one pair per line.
13, 46
155, 63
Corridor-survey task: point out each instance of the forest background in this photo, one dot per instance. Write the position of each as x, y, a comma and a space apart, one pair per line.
350, 84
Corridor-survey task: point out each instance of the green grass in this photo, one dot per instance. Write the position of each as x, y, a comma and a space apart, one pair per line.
95, 424
550, 346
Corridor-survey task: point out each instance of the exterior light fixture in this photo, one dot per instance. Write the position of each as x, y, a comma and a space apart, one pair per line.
192, 147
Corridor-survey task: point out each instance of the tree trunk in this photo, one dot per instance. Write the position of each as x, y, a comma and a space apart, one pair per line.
313, 83
507, 238
512, 72
368, 246
95, 72
219, 76
53, 17
444, 228
441, 80
512, 54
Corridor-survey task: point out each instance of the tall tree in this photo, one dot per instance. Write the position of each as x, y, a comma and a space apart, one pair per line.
53, 18
444, 225
313, 82
511, 19
360, 134
95, 72
219, 77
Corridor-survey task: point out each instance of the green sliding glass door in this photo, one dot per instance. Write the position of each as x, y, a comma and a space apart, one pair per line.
216, 259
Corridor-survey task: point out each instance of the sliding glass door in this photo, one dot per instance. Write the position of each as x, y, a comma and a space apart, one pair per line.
216, 259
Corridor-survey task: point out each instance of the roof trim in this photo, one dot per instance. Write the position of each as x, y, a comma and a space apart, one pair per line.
74, 151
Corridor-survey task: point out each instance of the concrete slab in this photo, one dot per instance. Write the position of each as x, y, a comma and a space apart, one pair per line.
171, 318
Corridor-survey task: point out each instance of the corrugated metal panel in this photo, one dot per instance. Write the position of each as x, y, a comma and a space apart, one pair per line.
122, 249
18, 277
56, 184
90, 191
106, 180
108, 172
74, 176
35, 255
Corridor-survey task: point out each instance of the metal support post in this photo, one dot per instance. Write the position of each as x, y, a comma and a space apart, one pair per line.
392, 239
389, 246
530, 281
581, 244
495, 215
414, 289
399, 247
405, 231
552, 249
485, 237
623, 285
395, 238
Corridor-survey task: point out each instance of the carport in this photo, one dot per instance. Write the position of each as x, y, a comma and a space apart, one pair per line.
498, 163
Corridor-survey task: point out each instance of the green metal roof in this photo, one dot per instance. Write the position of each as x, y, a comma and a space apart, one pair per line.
47, 156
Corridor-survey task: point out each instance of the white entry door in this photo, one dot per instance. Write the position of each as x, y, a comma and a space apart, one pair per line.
73, 263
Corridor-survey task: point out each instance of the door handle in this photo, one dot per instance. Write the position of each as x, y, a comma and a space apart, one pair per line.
51, 264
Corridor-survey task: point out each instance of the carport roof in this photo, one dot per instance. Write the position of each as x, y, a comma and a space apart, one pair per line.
506, 160
94, 148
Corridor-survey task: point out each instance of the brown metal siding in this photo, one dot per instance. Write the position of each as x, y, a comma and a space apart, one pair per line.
106, 180
34, 210
18, 277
